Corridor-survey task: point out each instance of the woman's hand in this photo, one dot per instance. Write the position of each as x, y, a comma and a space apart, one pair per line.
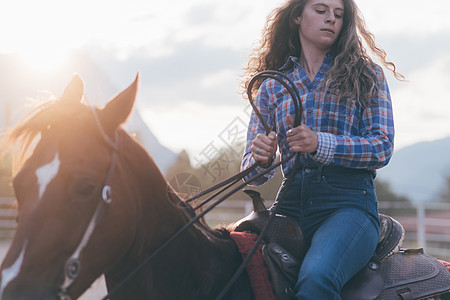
301, 138
264, 147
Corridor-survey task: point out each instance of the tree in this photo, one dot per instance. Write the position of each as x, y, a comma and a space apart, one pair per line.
186, 179
390, 202
445, 194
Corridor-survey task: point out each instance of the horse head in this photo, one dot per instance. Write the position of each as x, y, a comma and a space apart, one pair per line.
66, 233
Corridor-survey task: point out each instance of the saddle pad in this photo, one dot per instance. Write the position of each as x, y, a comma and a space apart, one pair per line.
445, 263
256, 270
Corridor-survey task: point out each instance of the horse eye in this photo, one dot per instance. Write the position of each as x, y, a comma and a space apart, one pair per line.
85, 189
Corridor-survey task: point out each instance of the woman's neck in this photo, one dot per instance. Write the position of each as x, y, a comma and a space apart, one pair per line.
311, 61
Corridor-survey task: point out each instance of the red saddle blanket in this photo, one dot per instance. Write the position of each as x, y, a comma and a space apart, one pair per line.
256, 270
446, 264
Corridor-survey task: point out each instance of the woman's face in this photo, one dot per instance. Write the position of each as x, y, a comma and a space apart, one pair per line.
320, 23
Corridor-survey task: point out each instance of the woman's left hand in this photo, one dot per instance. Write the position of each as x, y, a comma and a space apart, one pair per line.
301, 138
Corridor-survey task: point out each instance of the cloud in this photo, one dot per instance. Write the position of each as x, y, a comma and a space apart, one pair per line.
187, 74
192, 125
231, 24
412, 18
192, 51
422, 105
199, 58
413, 53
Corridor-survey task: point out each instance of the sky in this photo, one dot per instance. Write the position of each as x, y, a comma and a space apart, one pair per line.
190, 54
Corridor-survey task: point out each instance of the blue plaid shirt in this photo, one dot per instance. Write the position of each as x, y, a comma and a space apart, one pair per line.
348, 135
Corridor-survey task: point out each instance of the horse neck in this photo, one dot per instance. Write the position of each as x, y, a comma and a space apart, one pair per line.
198, 261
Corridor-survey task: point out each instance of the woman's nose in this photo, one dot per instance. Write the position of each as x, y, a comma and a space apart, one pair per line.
330, 18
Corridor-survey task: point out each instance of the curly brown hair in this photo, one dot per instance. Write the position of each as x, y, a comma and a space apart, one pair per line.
353, 72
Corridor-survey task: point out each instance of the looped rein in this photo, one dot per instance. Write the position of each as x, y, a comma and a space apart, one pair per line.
228, 183
293, 91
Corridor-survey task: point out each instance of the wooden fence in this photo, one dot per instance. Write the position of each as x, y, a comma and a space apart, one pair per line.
8, 217
427, 225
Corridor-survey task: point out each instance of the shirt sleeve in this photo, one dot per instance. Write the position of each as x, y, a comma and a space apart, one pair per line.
262, 102
373, 147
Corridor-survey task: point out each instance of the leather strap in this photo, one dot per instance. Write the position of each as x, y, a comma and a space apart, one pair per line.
406, 295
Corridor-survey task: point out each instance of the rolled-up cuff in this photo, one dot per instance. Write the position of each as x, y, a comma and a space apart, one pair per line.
325, 148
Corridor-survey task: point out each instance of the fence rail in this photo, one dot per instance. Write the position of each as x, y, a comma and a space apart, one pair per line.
8, 217
427, 225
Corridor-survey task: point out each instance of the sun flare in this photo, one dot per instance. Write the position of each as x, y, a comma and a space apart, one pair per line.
43, 32
44, 60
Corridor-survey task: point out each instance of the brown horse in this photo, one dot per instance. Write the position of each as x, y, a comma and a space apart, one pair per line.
91, 201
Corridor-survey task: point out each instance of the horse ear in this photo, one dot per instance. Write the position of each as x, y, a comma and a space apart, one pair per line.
119, 108
74, 90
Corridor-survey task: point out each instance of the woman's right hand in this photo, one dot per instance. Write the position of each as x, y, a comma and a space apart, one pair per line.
264, 147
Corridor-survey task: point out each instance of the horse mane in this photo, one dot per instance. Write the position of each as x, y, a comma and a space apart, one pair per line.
49, 114
219, 232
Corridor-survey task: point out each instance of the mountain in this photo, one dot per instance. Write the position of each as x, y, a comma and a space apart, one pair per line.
163, 156
19, 83
419, 171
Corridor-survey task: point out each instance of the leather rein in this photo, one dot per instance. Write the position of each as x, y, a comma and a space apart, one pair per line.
72, 266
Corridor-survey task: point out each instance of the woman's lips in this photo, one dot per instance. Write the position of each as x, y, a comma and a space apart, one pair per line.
328, 30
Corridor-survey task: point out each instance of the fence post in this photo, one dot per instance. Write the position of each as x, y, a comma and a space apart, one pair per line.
421, 240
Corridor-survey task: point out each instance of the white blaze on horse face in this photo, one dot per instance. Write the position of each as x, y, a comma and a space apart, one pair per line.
46, 173
10, 273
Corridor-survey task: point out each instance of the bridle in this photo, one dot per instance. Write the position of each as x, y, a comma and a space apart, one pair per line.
72, 266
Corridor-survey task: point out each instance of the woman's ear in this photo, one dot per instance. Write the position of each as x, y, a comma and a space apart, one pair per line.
298, 20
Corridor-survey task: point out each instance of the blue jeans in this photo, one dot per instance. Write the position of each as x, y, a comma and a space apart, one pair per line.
337, 210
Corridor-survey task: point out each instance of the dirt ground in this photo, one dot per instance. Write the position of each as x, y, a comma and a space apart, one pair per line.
96, 292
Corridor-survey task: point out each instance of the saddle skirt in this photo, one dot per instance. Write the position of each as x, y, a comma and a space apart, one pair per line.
407, 275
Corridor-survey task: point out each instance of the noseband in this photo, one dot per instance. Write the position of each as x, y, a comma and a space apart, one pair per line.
73, 266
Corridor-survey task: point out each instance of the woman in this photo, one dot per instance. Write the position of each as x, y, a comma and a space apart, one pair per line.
347, 133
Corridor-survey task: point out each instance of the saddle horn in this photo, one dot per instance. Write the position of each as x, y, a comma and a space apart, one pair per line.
257, 200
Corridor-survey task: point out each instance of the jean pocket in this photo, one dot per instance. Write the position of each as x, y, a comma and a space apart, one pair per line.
347, 184
347, 191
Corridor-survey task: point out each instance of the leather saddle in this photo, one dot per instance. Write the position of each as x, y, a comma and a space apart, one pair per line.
392, 273
397, 273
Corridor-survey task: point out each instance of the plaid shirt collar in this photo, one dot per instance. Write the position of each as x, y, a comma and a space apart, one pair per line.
293, 61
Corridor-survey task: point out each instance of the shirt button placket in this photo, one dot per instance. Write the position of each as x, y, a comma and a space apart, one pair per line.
309, 104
